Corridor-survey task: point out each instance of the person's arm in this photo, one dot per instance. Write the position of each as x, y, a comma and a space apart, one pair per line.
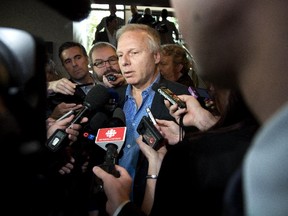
116, 189
155, 160
63, 108
170, 130
100, 26
63, 86
193, 115
72, 131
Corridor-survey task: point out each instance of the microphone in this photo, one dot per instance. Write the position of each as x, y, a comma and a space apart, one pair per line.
169, 95
111, 138
114, 131
95, 99
113, 101
96, 122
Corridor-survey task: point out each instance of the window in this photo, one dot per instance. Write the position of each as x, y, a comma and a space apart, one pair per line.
84, 31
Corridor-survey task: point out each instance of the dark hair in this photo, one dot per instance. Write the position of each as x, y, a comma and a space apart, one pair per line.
164, 13
69, 44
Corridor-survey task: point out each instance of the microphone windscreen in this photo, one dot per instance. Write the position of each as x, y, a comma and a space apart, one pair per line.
98, 120
97, 97
120, 115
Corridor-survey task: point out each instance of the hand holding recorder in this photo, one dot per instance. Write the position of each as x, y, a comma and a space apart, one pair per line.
193, 115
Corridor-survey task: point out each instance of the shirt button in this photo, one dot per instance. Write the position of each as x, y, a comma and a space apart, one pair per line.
128, 146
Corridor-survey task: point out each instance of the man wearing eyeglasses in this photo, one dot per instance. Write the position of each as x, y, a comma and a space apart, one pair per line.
104, 63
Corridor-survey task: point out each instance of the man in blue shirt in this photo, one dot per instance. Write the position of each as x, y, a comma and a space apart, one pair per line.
138, 51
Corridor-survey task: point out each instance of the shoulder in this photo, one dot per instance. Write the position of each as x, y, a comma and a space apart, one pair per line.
176, 87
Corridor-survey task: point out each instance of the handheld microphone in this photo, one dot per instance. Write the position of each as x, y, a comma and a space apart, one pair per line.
114, 131
96, 98
169, 95
96, 122
113, 101
111, 139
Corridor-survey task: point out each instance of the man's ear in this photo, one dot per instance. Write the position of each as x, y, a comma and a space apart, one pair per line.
157, 57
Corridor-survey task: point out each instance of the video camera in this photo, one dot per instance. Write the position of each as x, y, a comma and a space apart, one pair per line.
23, 87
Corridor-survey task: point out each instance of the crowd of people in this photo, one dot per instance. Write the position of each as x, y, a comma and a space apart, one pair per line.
210, 163
132, 85
106, 29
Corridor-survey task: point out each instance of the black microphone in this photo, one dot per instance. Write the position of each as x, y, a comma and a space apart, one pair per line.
113, 131
95, 123
113, 101
111, 138
95, 99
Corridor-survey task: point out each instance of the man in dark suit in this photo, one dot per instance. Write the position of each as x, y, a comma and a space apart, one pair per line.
139, 55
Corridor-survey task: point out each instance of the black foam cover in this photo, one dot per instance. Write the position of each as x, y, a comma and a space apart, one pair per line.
118, 118
97, 121
97, 97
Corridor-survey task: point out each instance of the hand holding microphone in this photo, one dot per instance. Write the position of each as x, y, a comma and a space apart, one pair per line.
96, 98
111, 138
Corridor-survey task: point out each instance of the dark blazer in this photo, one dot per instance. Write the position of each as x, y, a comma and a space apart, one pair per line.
159, 111
158, 107
102, 36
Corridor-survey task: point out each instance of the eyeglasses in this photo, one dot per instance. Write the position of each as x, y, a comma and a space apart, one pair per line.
101, 63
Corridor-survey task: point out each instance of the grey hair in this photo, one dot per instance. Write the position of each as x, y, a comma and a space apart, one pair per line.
153, 37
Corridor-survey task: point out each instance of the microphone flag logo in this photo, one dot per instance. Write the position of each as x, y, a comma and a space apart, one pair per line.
115, 135
111, 133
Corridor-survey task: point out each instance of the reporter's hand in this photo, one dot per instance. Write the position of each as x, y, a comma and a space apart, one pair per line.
116, 189
68, 167
72, 131
154, 157
170, 130
120, 80
63, 86
193, 115
63, 108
